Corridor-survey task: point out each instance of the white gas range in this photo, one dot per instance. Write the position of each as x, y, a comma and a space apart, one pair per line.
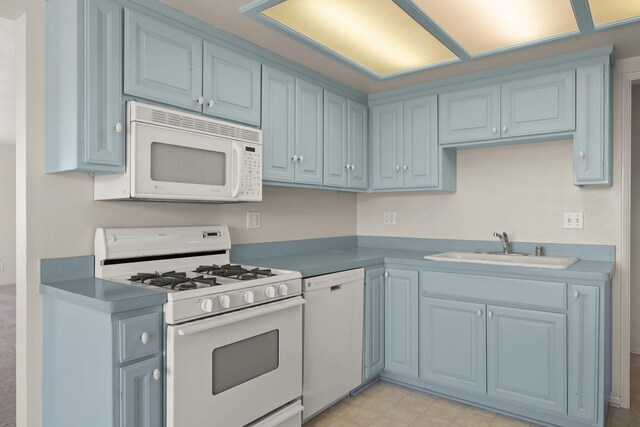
234, 332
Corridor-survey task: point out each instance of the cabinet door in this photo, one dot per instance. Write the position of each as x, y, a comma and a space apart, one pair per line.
386, 139
335, 140
526, 358
141, 395
162, 62
401, 323
420, 164
231, 85
278, 125
591, 161
104, 106
357, 145
453, 344
308, 145
374, 323
539, 105
470, 115
584, 336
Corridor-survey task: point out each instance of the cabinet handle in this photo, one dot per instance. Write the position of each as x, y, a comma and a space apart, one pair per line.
397, 167
479, 313
405, 167
294, 158
156, 374
144, 338
490, 314
386, 274
504, 129
301, 159
582, 154
494, 130
210, 103
118, 127
576, 294
200, 100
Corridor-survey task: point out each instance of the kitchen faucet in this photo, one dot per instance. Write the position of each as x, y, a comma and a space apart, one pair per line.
504, 239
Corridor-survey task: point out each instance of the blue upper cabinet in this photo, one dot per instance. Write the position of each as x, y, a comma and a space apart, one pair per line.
592, 147
84, 111
420, 165
278, 125
357, 146
231, 85
308, 132
401, 323
374, 323
526, 358
470, 114
541, 104
335, 140
162, 63
386, 140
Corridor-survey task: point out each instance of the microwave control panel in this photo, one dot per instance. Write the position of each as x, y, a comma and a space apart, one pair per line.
251, 177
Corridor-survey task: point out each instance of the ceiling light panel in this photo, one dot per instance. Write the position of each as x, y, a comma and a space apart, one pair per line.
488, 25
376, 35
608, 11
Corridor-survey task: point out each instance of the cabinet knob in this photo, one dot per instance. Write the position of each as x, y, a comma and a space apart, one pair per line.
405, 167
200, 100
479, 313
301, 159
156, 374
347, 166
576, 294
353, 167
386, 274
582, 154
490, 314
118, 127
494, 130
504, 129
144, 338
210, 103
397, 167
294, 158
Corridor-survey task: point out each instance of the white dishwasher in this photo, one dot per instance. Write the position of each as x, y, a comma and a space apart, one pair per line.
333, 327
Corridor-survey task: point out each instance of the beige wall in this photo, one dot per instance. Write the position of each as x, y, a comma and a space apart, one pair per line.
635, 221
8, 213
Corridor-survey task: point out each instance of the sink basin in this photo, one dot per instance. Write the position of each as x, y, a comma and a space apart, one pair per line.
515, 260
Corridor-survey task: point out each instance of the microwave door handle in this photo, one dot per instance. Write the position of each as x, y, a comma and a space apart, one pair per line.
237, 173
226, 319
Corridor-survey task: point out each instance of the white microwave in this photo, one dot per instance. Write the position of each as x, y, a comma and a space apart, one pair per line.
175, 156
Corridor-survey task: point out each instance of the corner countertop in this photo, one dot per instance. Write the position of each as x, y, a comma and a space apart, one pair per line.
330, 261
103, 295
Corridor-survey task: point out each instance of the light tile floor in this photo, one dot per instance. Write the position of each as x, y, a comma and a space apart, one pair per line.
385, 404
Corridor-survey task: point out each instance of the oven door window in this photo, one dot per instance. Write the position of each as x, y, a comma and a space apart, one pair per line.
245, 360
186, 165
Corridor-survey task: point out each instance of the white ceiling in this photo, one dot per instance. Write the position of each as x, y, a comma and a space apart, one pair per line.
225, 15
7, 82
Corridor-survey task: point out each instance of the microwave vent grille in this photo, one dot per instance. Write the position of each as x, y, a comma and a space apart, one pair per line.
189, 122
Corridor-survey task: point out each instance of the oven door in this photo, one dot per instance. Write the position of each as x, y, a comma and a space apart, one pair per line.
232, 369
176, 164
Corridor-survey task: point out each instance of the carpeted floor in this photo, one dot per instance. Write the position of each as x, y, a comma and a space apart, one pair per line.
7, 356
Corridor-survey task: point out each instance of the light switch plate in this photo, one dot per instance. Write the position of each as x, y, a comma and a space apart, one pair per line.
253, 219
389, 218
573, 220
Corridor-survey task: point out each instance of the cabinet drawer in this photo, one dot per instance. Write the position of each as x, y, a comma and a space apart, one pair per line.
132, 340
527, 292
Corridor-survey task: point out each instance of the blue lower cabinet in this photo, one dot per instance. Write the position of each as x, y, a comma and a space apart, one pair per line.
526, 358
141, 394
401, 323
453, 344
374, 323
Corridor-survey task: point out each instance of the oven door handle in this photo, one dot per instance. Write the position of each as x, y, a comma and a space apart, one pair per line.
238, 316
237, 153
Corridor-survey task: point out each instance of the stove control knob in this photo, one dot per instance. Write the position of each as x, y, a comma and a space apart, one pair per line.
283, 290
207, 305
270, 292
225, 301
248, 297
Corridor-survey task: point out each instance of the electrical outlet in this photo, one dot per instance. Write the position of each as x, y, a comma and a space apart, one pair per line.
573, 220
389, 217
253, 219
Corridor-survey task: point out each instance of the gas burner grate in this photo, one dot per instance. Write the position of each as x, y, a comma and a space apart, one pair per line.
234, 271
177, 281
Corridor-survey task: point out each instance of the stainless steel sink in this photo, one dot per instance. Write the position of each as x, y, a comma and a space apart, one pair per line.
515, 260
